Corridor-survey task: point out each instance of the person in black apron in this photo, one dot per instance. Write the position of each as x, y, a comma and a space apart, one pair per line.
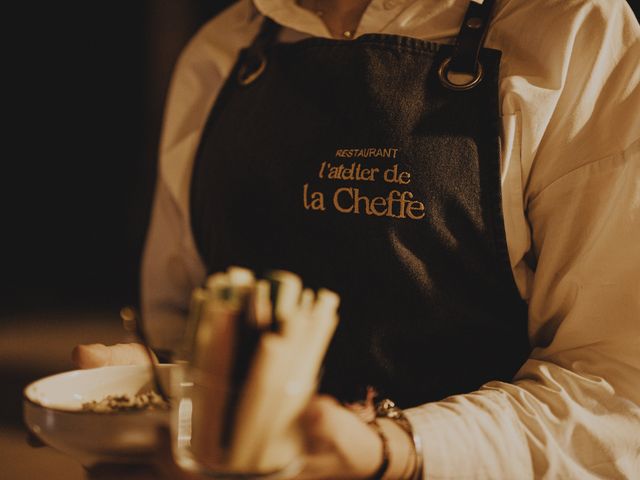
366, 168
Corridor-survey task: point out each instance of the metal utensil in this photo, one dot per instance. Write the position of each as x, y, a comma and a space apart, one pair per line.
132, 323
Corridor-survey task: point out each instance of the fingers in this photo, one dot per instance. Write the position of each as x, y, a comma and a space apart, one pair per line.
339, 444
90, 356
99, 355
366, 410
366, 413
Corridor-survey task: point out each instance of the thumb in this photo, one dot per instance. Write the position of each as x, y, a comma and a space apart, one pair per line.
99, 355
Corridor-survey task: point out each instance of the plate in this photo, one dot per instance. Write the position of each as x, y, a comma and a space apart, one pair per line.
53, 412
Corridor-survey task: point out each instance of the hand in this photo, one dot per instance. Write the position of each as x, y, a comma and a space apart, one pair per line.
99, 355
341, 445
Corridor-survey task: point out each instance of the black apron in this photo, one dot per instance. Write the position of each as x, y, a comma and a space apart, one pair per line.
359, 166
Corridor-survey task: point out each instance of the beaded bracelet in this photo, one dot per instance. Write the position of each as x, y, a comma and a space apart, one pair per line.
387, 409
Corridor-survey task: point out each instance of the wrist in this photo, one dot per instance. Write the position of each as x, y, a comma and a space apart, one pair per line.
381, 471
402, 461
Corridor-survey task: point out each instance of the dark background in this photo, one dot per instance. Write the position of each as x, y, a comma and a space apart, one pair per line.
87, 95
83, 92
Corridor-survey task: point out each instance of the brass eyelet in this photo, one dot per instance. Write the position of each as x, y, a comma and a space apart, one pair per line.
247, 74
443, 73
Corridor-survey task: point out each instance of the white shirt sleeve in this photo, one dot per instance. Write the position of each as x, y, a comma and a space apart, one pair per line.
171, 269
171, 264
573, 409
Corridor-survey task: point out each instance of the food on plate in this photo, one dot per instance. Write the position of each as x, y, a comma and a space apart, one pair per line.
117, 403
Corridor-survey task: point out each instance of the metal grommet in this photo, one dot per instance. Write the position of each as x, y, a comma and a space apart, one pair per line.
443, 73
474, 23
249, 74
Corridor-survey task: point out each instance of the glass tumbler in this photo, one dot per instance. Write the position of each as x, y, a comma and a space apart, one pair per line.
212, 436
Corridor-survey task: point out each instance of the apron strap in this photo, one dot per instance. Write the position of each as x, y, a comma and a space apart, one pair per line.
266, 36
255, 58
470, 39
463, 60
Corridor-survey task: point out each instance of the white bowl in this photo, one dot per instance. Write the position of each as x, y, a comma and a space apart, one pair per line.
53, 412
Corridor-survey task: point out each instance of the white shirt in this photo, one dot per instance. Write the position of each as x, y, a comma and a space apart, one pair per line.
569, 99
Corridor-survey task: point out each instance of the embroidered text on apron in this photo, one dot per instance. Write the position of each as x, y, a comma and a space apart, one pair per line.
351, 164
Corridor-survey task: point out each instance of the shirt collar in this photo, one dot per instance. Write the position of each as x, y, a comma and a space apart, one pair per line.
289, 14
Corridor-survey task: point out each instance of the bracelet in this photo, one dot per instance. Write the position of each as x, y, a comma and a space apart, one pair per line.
384, 466
387, 409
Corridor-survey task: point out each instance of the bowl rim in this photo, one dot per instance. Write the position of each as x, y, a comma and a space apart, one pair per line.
31, 402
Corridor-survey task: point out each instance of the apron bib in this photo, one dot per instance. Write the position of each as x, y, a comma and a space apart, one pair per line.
351, 164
